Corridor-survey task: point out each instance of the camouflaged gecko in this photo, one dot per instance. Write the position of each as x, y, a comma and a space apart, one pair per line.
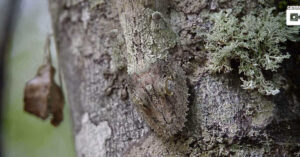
157, 84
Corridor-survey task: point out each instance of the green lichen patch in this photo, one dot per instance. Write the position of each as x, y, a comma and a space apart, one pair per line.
255, 41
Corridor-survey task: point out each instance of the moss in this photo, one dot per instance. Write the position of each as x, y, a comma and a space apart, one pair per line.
255, 41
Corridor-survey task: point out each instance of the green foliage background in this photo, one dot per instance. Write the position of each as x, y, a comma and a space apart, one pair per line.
25, 135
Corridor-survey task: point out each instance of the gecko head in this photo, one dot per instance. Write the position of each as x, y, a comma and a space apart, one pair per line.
160, 94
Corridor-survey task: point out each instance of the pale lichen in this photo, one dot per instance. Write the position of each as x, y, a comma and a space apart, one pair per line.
95, 3
92, 136
255, 41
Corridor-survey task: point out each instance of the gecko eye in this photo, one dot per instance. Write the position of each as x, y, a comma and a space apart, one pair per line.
156, 16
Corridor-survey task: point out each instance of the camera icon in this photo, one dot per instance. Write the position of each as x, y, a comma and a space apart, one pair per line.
293, 17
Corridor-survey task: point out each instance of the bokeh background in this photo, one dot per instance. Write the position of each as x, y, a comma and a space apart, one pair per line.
25, 135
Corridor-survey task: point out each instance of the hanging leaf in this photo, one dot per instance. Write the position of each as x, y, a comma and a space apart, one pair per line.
42, 95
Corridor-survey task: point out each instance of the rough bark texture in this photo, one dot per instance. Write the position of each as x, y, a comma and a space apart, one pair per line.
223, 119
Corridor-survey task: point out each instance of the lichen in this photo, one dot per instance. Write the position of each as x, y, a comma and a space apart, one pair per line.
255, 41
95, 3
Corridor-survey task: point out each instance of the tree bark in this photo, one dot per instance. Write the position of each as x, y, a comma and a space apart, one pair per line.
223, 119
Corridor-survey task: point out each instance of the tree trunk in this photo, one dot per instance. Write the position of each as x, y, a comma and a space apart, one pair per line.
223, 119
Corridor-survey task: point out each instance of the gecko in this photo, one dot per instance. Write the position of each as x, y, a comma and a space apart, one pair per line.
157, 83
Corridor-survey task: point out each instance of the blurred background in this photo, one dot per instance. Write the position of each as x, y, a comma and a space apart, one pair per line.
23, 134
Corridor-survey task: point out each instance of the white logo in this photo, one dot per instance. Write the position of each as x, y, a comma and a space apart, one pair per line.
293, 16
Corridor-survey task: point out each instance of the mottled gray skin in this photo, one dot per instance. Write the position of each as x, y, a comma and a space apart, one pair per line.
147, 41
157, 83
160, 95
